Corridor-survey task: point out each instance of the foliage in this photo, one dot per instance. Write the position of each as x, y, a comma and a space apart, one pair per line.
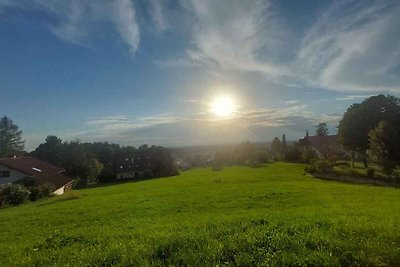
14, 194
360, 119
293, 153
11, 142
308, 154
276, 147
370, 172
92, 162
239, 216
36, 191
384, 145
322, 129
320, 166
50, 151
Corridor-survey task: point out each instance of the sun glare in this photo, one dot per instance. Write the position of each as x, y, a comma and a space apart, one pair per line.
223, 106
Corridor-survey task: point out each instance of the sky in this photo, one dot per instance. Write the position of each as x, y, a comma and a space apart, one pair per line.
147, 71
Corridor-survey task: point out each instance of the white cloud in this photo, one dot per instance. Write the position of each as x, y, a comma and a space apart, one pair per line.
292, 102
168, 129
354, 46
239, 35
75, 21
352, 97
157, 11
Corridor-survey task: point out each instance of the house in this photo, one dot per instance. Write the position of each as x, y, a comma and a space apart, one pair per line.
139, 166
323, 145
17, 168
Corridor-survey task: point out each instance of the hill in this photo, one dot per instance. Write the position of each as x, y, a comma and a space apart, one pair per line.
273, 215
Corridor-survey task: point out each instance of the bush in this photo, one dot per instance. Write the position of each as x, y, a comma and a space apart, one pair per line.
46, 190
370, 172
308, 154
320, 166
14, 194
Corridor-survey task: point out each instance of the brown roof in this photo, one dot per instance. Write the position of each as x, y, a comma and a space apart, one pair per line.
42, 171
324, 143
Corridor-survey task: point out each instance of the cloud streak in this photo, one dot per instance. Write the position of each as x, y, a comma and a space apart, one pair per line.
172, 130
76, 21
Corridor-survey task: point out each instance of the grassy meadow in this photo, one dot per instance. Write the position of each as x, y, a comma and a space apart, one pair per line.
272, 215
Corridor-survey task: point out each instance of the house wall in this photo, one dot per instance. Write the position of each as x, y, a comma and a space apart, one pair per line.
14, 175
134, 174
125, 175
63, 189
59, 191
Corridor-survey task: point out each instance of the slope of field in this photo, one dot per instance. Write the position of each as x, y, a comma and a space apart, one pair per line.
274, 215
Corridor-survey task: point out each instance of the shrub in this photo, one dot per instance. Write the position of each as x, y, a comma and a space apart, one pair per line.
370, 172
319, 165
46, 190
14, 194
308, 154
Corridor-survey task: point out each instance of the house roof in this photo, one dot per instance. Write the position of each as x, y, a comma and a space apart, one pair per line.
322, 143
42, 171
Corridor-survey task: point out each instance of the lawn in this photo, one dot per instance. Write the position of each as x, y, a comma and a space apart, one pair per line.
272, 215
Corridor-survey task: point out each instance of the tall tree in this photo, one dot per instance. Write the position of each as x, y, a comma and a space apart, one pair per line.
322, 129
284, 147
276, 147
11, 142
360, 119
50, 151
384, 147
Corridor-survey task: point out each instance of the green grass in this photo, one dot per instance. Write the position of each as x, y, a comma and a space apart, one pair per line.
274, 215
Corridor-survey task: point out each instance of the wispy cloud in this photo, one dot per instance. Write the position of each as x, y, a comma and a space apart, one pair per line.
170, 129
354, 46
292, 102
157, 11
232, 35
352, 97
75, 21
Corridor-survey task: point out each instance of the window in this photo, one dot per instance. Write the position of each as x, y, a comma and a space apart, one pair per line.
4, 174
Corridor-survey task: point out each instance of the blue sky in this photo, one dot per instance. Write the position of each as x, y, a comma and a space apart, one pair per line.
135, 72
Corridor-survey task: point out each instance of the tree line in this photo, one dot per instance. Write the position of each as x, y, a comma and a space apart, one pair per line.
90, 162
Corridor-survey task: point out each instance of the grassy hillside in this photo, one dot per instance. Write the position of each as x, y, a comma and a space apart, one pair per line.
244, 216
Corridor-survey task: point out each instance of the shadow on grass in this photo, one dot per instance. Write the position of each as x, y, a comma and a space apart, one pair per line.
125, 181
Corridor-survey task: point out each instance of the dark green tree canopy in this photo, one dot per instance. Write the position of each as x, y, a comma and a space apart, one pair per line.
384, 147
360, 119
322, 129
50, 151
11, 142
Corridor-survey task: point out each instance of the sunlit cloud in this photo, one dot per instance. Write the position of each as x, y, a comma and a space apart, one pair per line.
352, 97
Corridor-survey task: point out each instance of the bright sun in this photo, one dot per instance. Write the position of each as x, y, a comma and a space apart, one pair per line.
223, 106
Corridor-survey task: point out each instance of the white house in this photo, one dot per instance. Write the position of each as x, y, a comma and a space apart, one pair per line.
17, 168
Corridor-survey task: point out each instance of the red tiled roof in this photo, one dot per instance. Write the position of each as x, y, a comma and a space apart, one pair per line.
322, 143
42, 171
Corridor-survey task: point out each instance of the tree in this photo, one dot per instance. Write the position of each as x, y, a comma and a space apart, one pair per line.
360, 119
276, 147
322, 129
384, 146
92, 169
284, 146
50, 151
11, 142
